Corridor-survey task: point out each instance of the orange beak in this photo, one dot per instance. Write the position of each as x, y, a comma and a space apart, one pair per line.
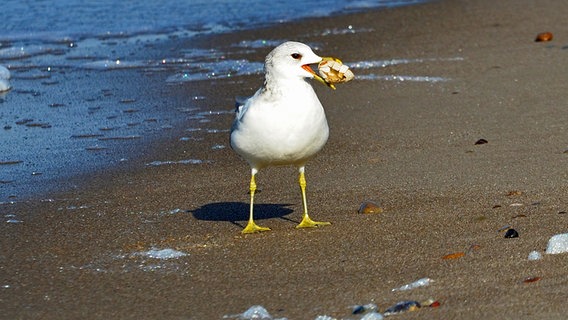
317, 76
308, 69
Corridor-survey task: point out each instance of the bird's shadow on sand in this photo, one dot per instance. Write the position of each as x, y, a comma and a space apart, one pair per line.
238, 212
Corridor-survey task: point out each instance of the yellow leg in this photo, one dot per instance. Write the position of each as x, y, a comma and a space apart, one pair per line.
306, 221
251, 226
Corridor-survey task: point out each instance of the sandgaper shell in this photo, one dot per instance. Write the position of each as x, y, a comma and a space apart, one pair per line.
334, 71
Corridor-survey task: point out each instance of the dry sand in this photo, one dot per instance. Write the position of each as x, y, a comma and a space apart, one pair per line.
408, 145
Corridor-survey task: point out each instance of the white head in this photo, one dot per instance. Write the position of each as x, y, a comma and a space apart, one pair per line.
290, 61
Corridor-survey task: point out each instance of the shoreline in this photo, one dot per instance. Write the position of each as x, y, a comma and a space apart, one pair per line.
410, 146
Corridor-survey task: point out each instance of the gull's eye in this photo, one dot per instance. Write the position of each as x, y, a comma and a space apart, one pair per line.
296, 56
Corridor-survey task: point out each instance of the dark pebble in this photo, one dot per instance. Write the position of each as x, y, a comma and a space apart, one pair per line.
369, 207
358, 309
481, 141
511, 233
402, 306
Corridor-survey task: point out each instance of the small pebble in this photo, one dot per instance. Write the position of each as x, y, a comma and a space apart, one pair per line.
453, 255
534, 255
511, 233
474, 247
481, 141
402, 306
543, 37
255, 312
372, 316
434, 304
531, 279
325, 318
369, 207
360, 309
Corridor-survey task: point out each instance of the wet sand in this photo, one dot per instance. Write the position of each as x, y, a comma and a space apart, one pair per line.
410, 146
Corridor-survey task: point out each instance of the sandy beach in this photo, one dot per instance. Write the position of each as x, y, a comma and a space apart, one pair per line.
408, 145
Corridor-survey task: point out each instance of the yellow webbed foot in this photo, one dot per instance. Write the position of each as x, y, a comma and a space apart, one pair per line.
309, 223
253, 228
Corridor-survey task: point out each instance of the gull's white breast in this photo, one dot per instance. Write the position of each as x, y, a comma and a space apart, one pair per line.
279, 127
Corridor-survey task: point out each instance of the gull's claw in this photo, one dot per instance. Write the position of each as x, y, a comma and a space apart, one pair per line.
254, 228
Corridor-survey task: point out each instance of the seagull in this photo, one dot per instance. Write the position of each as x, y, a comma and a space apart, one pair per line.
283, 123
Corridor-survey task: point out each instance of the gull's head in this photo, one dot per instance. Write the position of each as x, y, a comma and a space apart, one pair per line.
291, 61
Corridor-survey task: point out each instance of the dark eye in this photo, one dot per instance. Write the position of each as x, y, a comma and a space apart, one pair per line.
296, 56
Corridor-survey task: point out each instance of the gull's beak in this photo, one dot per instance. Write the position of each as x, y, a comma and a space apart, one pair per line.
317, 76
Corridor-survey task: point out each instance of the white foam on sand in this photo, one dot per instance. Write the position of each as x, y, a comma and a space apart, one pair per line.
402, 78
162, 254
416, 284
170, 162
375, 64
222, 69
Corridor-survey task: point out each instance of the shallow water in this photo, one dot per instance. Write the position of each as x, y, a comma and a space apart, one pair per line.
58, 121
60, 19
